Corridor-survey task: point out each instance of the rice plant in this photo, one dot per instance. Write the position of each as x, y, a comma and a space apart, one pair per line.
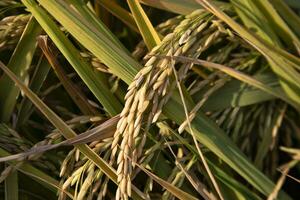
149, 99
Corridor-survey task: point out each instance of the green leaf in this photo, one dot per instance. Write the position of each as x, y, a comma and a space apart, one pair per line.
278, 25
291, 18
177, 6
19, 63
279, 60
238, 75
85, 71
94, 40
150, 36
91, 18
74, 92
36, 82
119, 12
12, 186
236, 93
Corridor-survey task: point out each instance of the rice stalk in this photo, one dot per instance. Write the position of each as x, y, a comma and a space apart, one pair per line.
212, 178
74, 171
12, 142
183, 172
138, 95
149, 89
158, 75
285, 170
161, 85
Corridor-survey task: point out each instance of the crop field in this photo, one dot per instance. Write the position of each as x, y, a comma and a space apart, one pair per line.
149, 99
